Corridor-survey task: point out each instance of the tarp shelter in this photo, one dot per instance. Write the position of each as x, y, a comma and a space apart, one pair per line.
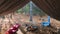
51, 7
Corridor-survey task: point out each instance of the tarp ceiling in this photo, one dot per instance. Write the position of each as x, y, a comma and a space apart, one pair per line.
51, 7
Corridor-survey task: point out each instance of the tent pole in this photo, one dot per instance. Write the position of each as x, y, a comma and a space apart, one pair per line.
30, 11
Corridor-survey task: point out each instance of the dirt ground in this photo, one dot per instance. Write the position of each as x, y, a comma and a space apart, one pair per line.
22, 19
